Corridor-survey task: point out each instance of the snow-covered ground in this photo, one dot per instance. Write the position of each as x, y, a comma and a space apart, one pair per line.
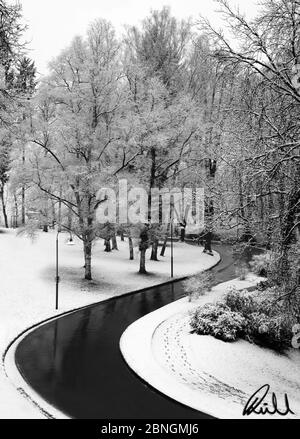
27, 288
204, 373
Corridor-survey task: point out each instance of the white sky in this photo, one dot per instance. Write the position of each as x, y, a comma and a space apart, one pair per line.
53, 23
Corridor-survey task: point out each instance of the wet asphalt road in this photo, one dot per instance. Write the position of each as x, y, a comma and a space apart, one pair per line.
75, 363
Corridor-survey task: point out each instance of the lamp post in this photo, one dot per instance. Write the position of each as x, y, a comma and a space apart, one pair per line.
57, 273
172, 247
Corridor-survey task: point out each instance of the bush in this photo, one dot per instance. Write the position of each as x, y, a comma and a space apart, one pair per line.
264, 285
198, 285
273, 332
247, 302
240, 301
254, 316
218, 320
261, 264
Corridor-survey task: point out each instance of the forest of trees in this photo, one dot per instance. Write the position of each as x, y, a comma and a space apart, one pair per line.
173, 103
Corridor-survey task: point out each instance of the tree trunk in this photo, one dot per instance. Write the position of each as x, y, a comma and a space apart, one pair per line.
207, 246
114, 243
143, 262
182, 234
45, 228
53, 219
131, 254
144, 244
164, 246
153, 168
16, 211
154, 250
23, 192
4, 209
70, 222
107, 245
122, 236
23, 206
87, 247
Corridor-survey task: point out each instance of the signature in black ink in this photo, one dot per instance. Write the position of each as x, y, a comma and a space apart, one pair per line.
257, 405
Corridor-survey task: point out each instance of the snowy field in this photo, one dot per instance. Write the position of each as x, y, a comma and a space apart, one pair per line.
204, 373
27, 288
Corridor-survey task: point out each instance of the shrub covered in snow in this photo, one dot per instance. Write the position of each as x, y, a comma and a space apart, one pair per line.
273, 332
256, 317
198, 285
240, 301
261, 264
218, 320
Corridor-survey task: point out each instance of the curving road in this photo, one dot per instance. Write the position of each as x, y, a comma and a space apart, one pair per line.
75, 364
